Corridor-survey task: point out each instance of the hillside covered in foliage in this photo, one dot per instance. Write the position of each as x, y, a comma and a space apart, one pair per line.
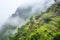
45, 26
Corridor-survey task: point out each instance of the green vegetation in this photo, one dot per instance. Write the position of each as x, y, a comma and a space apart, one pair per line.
41, 27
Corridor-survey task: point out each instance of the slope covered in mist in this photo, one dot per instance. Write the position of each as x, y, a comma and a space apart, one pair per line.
21, 16
45, 26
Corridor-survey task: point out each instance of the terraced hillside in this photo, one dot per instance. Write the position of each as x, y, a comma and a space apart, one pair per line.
42, 27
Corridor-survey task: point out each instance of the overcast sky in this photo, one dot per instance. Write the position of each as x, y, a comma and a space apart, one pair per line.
7, 7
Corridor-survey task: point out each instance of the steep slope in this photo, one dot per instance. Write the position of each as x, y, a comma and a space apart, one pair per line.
42, 27
19, 17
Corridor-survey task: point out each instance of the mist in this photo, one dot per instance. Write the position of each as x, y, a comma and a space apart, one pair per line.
28, 9
8, 7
